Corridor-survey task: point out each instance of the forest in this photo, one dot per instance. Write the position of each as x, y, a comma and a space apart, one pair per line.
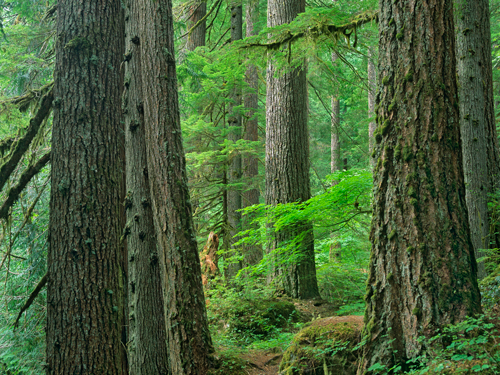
258, 187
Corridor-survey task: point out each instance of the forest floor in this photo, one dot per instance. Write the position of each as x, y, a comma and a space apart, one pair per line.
266, 362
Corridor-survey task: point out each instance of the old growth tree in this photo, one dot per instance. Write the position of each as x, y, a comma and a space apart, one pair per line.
85, 303
422, 272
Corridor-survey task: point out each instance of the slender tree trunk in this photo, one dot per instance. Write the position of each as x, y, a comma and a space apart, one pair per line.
477, 120
335, 247
287, 159
197, 37
147, 344
252, 254
189, 342
85, 300
422, 270
372, 86
234, 168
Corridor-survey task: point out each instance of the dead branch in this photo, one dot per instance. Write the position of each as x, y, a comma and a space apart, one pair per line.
31, 298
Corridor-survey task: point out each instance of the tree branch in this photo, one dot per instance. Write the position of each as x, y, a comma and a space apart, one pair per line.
23, 181
21, 145
31, 298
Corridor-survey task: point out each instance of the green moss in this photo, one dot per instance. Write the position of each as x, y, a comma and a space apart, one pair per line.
321, 345
392, 234
78, 44
407, 153
390, 276
416, 311
411, 192
409, 77
434, 137
410, 249
391, 21
414, 202
385, 81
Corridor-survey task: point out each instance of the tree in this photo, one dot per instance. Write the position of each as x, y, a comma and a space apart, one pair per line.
147, 338
372, 88
477, 121
197, 25
287, 159
252, 254
234, 168
85, 304
189, 341
422, 273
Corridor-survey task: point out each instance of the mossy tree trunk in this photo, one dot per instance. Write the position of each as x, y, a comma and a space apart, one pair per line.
147, 344
252, 254
422, 272
197, 37
189, 341
287, 160
234, 168
477, 120
86, 275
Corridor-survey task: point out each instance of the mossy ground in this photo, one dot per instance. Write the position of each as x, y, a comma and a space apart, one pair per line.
324, 348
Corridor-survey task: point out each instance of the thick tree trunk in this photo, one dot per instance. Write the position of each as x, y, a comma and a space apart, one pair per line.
422, 269
252, 254
477, 120
234, 168
287, 160
372, 89
85, 300
147, 344
197, 36
189, 341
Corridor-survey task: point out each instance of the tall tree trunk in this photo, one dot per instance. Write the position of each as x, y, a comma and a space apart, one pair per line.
335, 247
372, 88
234, 168
477, 120
197, 37
189, 341
85, 300
147, 344
287, 159
252, 254
422, 270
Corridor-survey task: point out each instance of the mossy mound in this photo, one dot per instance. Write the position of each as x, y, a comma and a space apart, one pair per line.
261, 317
324, 348
228, 364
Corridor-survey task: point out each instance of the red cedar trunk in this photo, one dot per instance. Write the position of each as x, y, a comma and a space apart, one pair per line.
287, 159
189, 341
250, 165
477, 122
147, 343
197, 37
234, 168
85, 301
422, 270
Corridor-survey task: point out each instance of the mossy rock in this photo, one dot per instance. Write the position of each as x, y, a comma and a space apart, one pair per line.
261, 317
324, 348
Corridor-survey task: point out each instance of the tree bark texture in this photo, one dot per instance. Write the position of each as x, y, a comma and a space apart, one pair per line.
372, 89
422, 272
189, 341
477, 118
147, 343
287, 159
252, 254
234, 168
335, 141
197, 36
85, 301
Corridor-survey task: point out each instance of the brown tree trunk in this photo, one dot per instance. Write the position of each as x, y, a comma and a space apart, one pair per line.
252, 254
197, 37
147, 344
335, 247
422, 270
287, 160
372, 88
189, 341
85, 300
477, 120
234, 168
